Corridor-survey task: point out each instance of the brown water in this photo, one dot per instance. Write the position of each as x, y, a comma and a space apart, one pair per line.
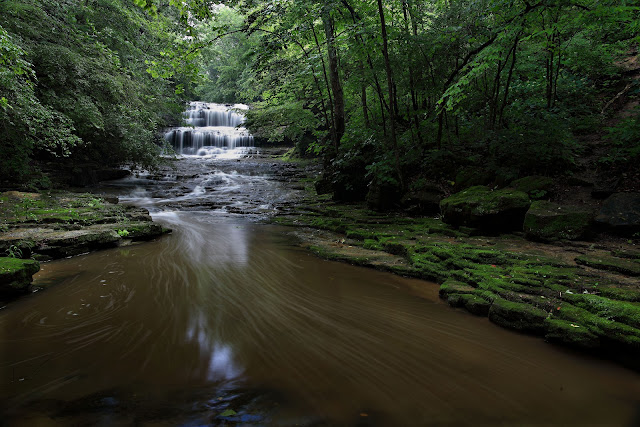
229, 314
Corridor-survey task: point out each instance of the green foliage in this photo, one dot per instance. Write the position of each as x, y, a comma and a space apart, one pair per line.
625, 140
504, 84
78, 87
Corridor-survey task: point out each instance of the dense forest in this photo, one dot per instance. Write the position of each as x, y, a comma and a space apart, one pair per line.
389, 94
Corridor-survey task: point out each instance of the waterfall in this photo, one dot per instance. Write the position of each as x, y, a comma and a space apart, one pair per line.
213, 130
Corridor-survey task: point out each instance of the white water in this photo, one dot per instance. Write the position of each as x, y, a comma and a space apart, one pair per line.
214, 130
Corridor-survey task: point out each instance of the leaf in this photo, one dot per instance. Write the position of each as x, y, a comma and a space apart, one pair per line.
228, 413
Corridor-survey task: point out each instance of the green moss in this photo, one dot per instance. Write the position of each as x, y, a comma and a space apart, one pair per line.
605, 262
537, 187
568, 333
619, 311
451, 286
618, 293
15, 274
483, 208
626, 254
549, 221
518, 316
482, 200
372, 244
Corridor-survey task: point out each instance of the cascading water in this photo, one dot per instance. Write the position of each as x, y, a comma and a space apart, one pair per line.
213, 130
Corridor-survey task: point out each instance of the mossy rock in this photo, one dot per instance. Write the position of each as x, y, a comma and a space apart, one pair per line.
481, 207
536, 186
571, 334
518, 316
548, 221
604, 262
472, 303
476, 305
471, 177
16, 274
454, 287
620, 213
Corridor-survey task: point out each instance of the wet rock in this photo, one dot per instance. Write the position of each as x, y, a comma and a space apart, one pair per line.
323, 186
472, 303
546, 221
620, 213
16, 274
570, 334
383, 196
425, 201
480, 207
605, 187
450, 287
579, 181
537, 187
630, 267
518, 316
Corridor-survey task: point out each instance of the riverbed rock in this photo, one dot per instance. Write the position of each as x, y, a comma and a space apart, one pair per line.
424, 201
620, 213
383, 196
629, 267
60, 224
537, 187
605, 187
16, 274
570, 334
518, 316
481, 207
546, 221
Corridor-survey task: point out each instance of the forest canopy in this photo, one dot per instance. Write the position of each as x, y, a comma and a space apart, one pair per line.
80, 82
392, 92
389, 94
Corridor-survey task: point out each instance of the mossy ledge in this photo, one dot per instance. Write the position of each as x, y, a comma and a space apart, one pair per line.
54, 225
16, 275
555, 291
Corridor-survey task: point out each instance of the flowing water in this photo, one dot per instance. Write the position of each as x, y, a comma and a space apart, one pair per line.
227, 322
212, 130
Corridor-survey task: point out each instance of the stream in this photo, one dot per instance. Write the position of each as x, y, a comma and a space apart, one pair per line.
227, 321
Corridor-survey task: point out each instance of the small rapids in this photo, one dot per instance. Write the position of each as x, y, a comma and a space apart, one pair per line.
228, 322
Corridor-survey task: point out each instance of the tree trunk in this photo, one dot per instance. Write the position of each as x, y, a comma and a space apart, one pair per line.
392, 115
334, 78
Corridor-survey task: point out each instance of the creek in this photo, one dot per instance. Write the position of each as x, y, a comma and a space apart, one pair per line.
227, 321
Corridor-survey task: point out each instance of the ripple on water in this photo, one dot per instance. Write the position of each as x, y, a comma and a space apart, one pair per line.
228, 315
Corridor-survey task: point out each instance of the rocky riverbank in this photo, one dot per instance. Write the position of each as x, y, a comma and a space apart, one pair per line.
58, 224
583, 294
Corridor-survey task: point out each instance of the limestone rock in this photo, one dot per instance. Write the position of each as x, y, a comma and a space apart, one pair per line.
15, 274
549, 221
481, 207
537, 187
620, 213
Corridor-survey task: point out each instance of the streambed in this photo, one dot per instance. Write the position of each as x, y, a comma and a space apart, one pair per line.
228, 321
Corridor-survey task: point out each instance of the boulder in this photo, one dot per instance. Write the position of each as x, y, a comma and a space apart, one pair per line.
547, 221
620, 213
470, 177
424, 201
536, 186
481, 207
605, 187
15, 274
383, 196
